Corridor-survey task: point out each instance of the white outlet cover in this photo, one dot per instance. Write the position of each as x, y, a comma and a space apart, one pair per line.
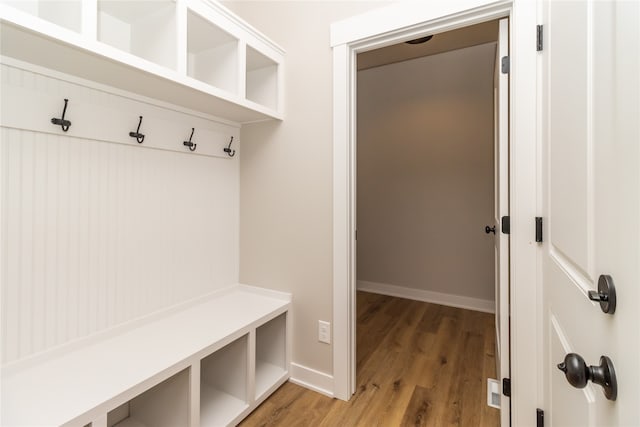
324, 332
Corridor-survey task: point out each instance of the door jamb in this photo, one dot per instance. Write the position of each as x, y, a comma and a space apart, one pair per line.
367, 32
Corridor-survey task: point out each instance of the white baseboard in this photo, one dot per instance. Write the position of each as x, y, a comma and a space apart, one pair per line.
477, 304
312, 379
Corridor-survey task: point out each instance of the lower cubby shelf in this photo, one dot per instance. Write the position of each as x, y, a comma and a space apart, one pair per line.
266, 376
130, 422
165, 405
164, 372
218, 408
271, 354
223, 384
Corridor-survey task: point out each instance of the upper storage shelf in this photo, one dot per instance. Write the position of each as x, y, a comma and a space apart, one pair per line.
212, 54
262, 79
66, 14
192, 53
144, 29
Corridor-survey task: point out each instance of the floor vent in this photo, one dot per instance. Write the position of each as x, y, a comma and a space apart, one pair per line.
493, 393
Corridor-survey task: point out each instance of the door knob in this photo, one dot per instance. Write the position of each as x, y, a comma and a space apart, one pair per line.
488, 229
605, 295
578, 374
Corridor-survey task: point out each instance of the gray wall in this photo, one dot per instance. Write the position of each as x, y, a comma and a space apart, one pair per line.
425, 173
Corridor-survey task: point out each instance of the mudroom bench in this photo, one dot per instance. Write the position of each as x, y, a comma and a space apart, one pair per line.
207, 363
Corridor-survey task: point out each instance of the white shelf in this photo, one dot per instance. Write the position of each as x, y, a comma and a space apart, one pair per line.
130, 422
65, 13
212, 54
146, 29
223, 377
189, 53
271, 353
165, 405
262, 79
218, 408
114, 369
266, 376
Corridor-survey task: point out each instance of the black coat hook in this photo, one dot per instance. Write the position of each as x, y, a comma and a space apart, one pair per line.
191, 145
137, 135
64, 124
228, 149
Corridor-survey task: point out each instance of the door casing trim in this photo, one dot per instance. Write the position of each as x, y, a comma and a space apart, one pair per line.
401, 22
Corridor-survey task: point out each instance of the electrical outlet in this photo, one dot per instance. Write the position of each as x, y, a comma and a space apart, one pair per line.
324, 332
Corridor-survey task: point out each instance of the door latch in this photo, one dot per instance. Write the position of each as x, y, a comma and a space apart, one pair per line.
539, 229
506, 225
506, 387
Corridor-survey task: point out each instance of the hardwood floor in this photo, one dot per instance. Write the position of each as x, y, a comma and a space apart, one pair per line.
418, 364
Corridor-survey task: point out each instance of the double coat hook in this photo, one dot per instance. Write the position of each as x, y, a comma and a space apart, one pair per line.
64, 124
228, 149
137, 135
191, 145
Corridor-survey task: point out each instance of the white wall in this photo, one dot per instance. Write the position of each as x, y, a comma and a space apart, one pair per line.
425, 173
98, 230
286, 171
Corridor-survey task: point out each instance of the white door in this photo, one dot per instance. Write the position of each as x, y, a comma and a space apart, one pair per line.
591, 205
501, 209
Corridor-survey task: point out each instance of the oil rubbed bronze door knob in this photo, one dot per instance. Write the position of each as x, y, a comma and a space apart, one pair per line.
578, 374
488, 229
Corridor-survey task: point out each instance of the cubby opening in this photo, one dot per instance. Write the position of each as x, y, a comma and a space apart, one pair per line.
262, 79
65, 13
212, 54
165, 405
146, 29
271, 353
223, 384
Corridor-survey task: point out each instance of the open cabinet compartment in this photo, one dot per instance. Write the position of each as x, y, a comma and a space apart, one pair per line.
212, 54
223, 384
65, 13
271, 353
262, 79
146, 29
165, 405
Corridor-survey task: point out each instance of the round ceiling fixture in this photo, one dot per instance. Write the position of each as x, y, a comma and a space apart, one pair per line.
419, 40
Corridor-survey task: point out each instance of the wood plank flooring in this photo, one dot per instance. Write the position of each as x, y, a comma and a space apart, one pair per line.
418, 364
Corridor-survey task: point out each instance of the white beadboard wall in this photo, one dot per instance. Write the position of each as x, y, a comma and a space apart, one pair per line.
96, 230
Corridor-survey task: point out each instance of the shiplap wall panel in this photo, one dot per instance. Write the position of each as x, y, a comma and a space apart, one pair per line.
96, 233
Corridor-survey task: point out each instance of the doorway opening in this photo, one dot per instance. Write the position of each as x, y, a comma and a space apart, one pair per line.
406, 21
431, 189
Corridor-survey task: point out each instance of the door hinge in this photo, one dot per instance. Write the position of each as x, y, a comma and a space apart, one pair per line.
539, 229
539, 40
356, 234
506, 225
506, 387
539, 417
505, 65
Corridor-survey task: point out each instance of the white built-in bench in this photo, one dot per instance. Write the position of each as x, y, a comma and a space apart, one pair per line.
208, 363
